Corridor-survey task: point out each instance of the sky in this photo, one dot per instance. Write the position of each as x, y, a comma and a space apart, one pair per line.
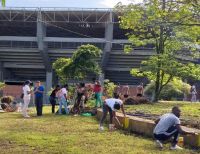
68, 3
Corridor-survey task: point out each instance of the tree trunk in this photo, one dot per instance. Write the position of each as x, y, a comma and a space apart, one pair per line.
157, 87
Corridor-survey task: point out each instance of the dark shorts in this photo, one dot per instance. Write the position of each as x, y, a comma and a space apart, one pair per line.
139, 95
125, 96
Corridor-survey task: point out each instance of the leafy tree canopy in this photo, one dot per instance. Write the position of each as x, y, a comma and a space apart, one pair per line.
83, 61
173, 28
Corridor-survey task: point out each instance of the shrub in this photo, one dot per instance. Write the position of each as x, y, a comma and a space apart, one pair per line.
1, 85
109, 88
171, 91
7, 99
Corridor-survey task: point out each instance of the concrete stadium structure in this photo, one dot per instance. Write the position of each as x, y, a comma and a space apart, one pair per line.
31, 39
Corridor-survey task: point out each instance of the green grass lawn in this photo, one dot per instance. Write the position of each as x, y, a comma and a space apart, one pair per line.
68, 134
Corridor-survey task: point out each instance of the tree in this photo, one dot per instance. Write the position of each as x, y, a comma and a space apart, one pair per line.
2, 85
3, 3
59, 65
83, 62
173, 28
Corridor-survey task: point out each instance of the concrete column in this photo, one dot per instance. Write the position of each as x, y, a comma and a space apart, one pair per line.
49, 77
1, 72
109, 38
101, 78
42, 46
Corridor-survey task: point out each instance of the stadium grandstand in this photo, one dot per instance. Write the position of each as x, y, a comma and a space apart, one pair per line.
31, 39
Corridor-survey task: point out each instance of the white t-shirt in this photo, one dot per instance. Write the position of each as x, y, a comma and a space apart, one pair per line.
166, 121
61, 93
111, 102
26, 89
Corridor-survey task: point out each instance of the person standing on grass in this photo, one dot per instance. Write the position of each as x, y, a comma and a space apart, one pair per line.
26, 98
111, 105
193, 93
126, 91
98, 93
62, 98
168, 126
140, 90
53, 98
39, 91
79, 104
118, 89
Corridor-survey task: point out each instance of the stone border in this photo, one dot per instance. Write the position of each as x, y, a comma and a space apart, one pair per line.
146, 127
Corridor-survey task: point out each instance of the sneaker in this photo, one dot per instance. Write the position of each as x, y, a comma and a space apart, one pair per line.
176, 147
159, 144
27, 116
101, 128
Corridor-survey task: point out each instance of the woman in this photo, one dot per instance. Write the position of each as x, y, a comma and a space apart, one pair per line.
62, 99
80, 98
97, 90
26, 97
53, 97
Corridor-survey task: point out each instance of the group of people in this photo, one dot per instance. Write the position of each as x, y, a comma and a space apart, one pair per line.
38, 92
125, 90
167, 126
82, 93
60, 95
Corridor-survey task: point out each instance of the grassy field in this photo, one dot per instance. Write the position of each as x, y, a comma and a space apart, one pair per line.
69, 134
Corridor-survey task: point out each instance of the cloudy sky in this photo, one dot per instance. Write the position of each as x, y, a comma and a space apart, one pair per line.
67, 3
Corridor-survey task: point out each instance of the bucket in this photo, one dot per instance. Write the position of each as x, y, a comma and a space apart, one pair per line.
126, 122
181, 141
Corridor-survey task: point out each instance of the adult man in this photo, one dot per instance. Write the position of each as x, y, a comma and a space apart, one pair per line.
140, 90
168, 125
38, 91
111, 105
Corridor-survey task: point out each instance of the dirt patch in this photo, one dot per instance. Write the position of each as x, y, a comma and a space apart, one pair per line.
185, 122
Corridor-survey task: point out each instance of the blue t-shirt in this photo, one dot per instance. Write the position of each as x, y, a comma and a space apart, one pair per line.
38, 94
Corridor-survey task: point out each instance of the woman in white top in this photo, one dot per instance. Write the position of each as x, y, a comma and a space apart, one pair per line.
62, 99
26, 98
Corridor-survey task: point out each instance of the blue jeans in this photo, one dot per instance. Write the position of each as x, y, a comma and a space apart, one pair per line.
63, 101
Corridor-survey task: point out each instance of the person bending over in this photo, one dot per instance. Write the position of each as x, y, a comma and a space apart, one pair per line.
111, 105
168, 126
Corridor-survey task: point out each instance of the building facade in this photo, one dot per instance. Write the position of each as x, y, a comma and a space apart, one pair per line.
31, 39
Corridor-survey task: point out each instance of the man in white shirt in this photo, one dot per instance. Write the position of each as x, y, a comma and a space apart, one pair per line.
62, 99
111, 105
27, 97
167, 126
